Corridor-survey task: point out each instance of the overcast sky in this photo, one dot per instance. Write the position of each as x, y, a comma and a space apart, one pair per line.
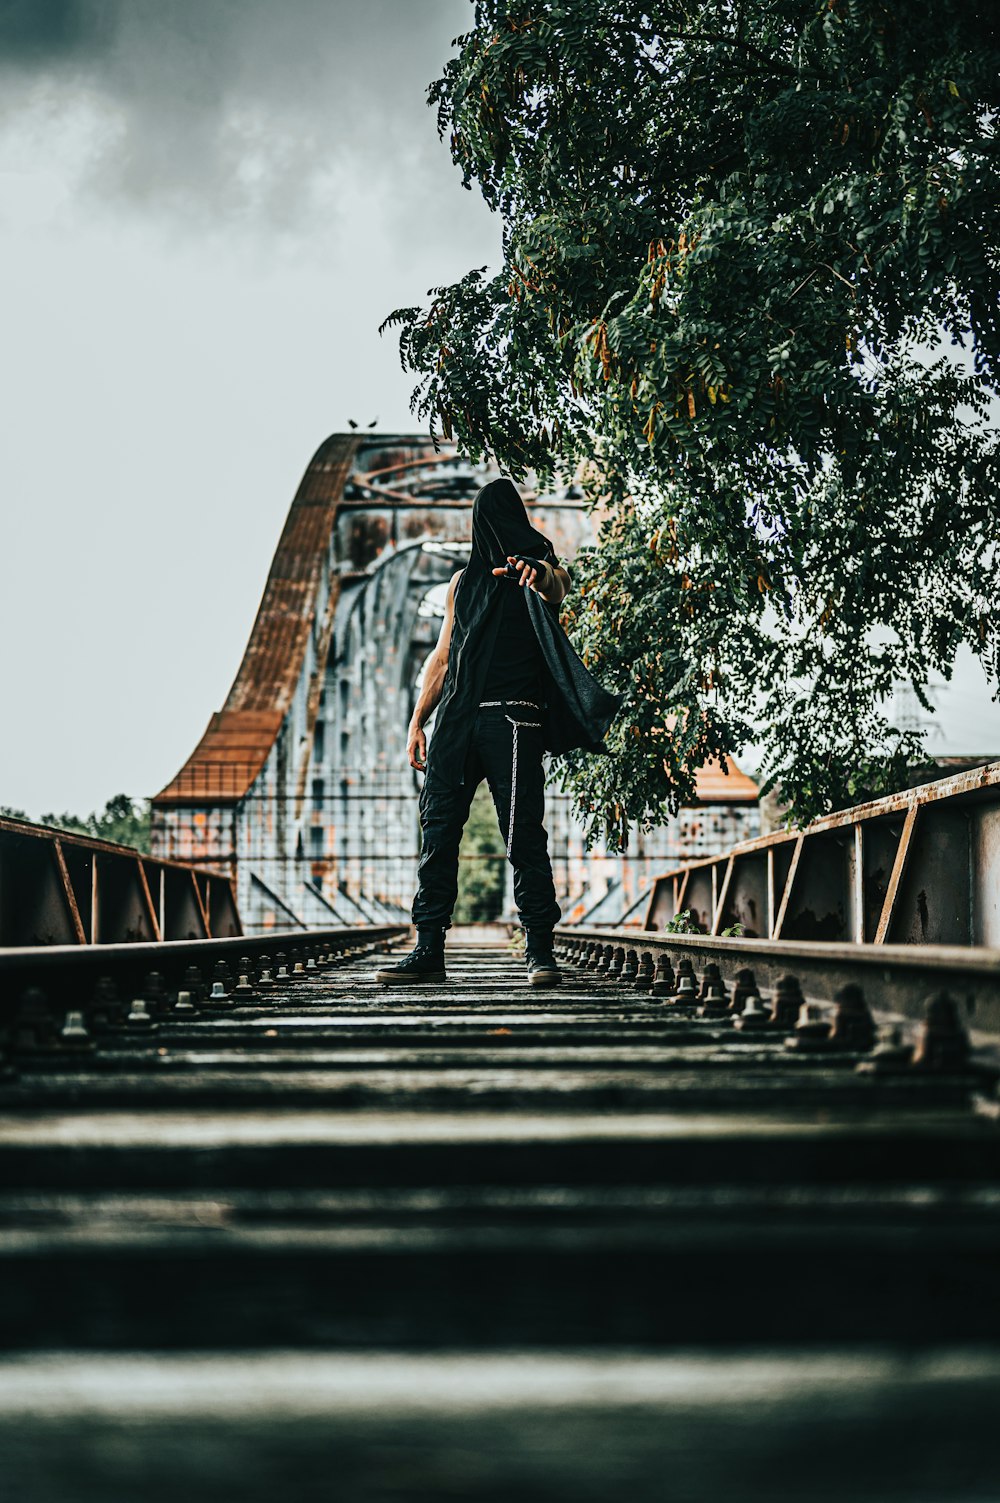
206, 209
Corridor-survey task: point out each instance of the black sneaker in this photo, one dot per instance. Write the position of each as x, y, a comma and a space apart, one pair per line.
542, 968
422, 964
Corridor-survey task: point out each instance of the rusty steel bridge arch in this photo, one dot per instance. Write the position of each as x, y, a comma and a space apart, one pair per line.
299, 787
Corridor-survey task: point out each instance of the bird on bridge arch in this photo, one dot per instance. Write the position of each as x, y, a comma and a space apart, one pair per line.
507, 686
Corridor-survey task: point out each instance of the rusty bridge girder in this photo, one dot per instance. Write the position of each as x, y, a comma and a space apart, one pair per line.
919, 867
300, 786
59, 888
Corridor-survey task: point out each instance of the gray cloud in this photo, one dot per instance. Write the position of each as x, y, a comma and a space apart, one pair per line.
39, 32
229, 109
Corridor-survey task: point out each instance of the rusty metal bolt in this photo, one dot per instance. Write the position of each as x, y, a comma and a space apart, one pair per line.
604, 958
853, 1025
311, 959
298, 969
713, 1000
892, 1055
754, 1015
154, 991
265, 981
686, 994
630, 969
244, 986
184, 1004
942, 1042
617, 964
35, 1028
645, 972
108, 1007
192, 983
139, 1015
709, 974
787, 1002
744, 986
281, 974
593, 955
664, 984
812, 1029
74, 1032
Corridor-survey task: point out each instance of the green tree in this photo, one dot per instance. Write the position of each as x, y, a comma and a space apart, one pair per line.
123, 820
481, 864
750, 298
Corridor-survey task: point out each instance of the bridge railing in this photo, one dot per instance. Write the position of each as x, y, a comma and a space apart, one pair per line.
60, 888
920, 867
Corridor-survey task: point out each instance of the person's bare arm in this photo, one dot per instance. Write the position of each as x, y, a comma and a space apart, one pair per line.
430, 693
553, 584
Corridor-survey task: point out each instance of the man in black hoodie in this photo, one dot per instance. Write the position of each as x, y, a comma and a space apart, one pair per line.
507, 686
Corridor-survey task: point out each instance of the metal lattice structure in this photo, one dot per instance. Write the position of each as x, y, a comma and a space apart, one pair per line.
300, 786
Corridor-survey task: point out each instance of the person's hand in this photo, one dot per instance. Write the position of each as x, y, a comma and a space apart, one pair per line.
534, 578
416, 748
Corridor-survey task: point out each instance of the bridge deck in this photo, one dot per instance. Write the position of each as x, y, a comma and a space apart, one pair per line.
483, 1242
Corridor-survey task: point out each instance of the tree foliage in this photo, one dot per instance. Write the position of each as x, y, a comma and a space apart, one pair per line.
749, 295
122, 820
481, 868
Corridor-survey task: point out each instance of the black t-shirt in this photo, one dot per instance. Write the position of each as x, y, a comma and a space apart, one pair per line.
515, 670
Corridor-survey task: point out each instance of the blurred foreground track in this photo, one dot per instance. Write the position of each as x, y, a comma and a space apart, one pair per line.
331, 1240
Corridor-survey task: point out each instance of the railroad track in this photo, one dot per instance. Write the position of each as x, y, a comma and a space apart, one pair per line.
479, 1241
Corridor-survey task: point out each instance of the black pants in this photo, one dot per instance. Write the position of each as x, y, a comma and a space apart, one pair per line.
506, 749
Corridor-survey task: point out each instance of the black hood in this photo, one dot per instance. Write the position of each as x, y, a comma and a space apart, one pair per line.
578, 710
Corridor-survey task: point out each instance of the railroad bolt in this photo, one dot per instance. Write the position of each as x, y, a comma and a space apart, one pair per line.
686, 994
891, 1055
812, 1029
34, 1029
311, 954
853, 1025
942, 1042
663, 983
604, 959
218, 993
617, 962
645, 973
265, 981
244, 986
139, 1015
593, 956
754, 1016
298, 969
713, 1000
744, 986
282, 972
75, 1032
184, 1005
108, 1007
155, 989
630, 969
709, 974
786, 1002
192, 983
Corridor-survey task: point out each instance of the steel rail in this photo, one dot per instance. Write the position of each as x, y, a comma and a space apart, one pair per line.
66, 975
896, 979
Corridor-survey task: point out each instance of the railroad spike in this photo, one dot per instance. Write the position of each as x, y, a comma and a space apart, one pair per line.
139, 1015
630, 969
812, 1029
786, 1002
713, 999
744, 986
853, 1025
645, 972
75, 1033
942, 1042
